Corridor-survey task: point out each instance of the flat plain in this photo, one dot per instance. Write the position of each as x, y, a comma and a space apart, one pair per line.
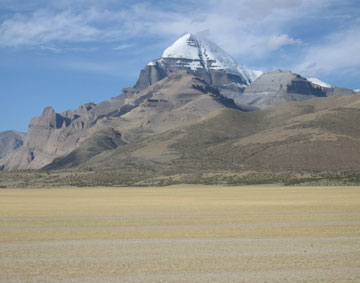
180, 234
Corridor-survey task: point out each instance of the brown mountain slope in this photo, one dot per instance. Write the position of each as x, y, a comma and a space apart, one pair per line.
296, 140
177, 100
316, 140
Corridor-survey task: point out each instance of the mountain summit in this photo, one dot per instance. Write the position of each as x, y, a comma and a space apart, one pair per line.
203, 58
205, 54
206, 60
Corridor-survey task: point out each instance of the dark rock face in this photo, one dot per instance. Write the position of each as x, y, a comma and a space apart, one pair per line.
149, 76
163, 67
10, 141
301, 86
229, 84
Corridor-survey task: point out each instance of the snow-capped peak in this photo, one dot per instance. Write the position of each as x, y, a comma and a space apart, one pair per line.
319, 82
202, 53
186, 47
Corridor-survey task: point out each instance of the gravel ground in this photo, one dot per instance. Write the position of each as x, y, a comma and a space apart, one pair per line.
180, 234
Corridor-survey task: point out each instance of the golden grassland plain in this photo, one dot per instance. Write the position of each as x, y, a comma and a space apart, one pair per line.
180, 234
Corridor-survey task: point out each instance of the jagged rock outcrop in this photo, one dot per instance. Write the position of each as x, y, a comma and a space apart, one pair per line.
10, 141
52, 134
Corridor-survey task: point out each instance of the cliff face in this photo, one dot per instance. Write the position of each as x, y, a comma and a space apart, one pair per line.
49, 135
150, 75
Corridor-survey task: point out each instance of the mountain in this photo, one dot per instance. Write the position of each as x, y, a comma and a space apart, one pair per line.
297, 140
203, 58
206, 60
54, 134
314, 141
10, 141
179, 99
316, 135
274, 88
278, 87
196, 110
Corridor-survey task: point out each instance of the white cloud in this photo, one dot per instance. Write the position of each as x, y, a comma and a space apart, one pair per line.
244, 28
122, 46
44, 27
51, 49
240, 25
277, 41
94, 67
340, 52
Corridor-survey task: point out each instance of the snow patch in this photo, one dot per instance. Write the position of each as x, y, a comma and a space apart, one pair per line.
194, 65
319, 82
184, 47
257, 73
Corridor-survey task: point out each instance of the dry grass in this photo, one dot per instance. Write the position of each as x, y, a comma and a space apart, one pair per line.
180, 234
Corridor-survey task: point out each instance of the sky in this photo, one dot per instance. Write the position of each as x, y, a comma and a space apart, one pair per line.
65, 53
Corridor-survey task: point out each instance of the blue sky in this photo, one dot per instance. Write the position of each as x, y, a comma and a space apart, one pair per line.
66, 53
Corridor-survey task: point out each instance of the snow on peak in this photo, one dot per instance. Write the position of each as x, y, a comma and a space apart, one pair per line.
206, 54
185, 47
318, 82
